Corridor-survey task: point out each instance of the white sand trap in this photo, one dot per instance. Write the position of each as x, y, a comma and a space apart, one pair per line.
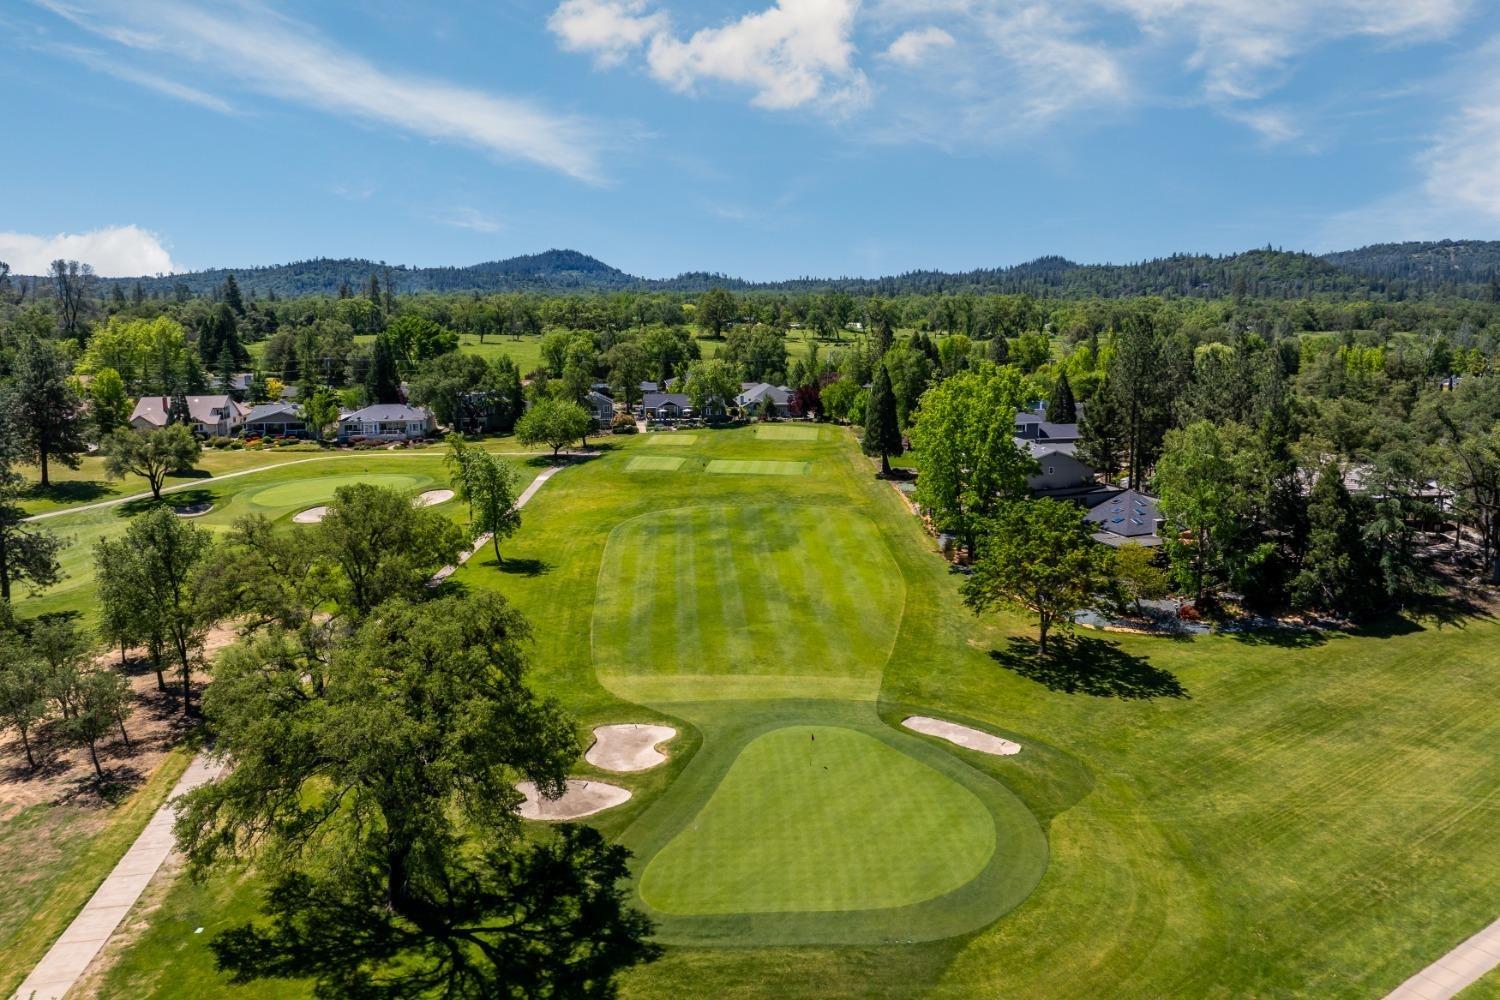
193, 510
432, 498
628, 747
312, 515
963, 736
583, 798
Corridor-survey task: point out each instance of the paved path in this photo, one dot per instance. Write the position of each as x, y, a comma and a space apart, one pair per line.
1459, 968
71, 953
484, 539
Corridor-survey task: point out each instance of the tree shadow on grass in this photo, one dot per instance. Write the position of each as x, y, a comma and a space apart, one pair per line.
177, 498
1085, 665
73, 491
1282, 636
522, 567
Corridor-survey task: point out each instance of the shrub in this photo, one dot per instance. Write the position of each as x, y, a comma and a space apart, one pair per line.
623, 423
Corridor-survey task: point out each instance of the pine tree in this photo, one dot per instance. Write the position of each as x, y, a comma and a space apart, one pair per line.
382, 383
1061, 408
1336, 574
1101, 436
226, 369
232, 297
46, 415
882, 432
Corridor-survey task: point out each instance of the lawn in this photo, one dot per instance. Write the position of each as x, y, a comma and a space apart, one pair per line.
755, 467
1290, 815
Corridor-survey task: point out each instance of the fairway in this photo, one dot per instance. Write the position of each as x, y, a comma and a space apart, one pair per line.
735, 467
306, 492
671, 438
786, 432
819, 818
738, 601
654, 463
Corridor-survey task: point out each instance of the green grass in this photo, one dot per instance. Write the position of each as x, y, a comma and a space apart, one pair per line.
786, 432
755, 467
655, 463
675, 437
826, 819
705, 602
1312, 817
276, 498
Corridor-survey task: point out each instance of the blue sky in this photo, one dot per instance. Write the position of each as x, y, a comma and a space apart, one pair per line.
766, 139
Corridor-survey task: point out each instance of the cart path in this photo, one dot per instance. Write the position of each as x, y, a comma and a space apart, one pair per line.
484, 539
1460, 968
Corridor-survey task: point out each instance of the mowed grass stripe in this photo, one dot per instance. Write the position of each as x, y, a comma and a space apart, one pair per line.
745, 467
654, 463
680, 562
729, 587
784, 432
672, 438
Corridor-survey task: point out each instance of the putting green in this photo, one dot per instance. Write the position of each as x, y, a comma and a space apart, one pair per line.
785, 432
737, 467
672, 438
746, 602
654, 463
822, 818
308, 492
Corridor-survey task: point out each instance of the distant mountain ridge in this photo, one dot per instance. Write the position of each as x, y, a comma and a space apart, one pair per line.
1460, 268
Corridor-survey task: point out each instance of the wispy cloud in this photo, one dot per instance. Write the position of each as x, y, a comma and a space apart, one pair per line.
913, 47
467, 217
271, 54
101, 63
114, 252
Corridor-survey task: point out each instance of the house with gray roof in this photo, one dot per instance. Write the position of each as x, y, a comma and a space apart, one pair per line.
1033, 425
387, 422
753, 396
1060, 475
664, 406
1130, 516
274, 420
209, 416
600, 407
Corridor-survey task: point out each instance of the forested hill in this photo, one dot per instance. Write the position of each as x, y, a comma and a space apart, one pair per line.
1391, 271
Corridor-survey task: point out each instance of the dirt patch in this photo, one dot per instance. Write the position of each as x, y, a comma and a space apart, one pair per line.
628, 747
964, 736
432, 498
312, 515
582, 798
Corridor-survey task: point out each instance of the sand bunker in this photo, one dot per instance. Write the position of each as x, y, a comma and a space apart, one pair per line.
193, 510
963, 736
312, 515
628, 747
432, 498
583, 798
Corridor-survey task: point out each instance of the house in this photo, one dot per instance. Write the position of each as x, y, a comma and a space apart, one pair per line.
1130, 516
1060, 475
754, 394
387, 422
240, 383
274, 420
1033, 425
600, 407
664, 406
209, 416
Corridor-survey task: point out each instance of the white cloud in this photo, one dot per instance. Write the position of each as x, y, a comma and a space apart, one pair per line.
466, 217
610, 29
914, 46
798, 53
281, 58
151, 81
113, 252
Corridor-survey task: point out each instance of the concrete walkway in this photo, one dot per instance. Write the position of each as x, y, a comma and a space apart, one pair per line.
1456, 970
71, 953
484, 539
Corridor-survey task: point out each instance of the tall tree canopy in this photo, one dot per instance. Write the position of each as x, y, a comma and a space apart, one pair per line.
46, 414
882, 430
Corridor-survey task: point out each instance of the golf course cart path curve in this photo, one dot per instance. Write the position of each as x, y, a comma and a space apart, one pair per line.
70, 955
582, 798
312, 515
964, 736
1455, 971
628, 747
432, 498
484, 539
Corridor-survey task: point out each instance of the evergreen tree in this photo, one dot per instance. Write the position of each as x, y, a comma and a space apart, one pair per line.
999, 349
46, 415
27, 553
1061, 408
382, 382
232, 297
882, 432
226, 369
1335, 575
1101, 436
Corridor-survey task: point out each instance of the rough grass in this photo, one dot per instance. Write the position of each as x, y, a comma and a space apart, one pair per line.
822, 818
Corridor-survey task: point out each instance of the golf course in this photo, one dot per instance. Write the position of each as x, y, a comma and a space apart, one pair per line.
1266, 815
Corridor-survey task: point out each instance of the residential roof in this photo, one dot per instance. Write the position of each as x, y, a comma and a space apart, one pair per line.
598, 398
273, 412
153, 409
753, 392
1041, 449
1131, 515
653, 400
381, 412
